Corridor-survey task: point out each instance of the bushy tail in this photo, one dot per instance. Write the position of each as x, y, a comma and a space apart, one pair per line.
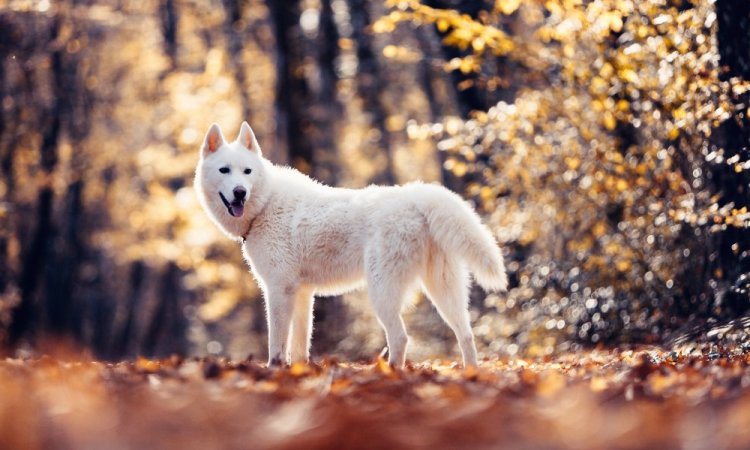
459, 232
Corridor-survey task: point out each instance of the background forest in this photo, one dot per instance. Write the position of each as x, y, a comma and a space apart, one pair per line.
606, 143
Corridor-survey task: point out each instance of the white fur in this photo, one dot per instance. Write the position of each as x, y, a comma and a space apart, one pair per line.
304, 239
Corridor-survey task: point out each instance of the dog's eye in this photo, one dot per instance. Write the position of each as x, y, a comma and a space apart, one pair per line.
248, 171
224, 170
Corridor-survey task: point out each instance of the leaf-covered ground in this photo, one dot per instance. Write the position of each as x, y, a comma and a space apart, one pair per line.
645, 397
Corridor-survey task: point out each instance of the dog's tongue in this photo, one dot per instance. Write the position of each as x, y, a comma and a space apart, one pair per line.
236, 209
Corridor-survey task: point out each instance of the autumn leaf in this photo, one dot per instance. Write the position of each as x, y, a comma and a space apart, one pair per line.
147, 365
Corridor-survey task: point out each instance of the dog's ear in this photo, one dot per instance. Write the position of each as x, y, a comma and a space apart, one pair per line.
247, 138
214, 139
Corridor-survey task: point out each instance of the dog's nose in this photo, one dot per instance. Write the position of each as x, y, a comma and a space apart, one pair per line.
239, 193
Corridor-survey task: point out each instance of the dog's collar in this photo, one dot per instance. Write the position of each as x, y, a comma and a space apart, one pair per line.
243, 237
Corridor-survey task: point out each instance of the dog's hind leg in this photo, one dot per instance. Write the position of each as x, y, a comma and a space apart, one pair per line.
302, 326
446, 283
386, 296
391, 321
392, 261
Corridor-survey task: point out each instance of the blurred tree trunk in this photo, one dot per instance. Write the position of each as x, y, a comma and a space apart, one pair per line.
292, 92
440, 93
35, 259
234, 49
64, 312
370, 81
123, 337
11, 227
167, 11
165, 333
326, 110
306, 89
729, 257
49, 266
470, 97
6, 165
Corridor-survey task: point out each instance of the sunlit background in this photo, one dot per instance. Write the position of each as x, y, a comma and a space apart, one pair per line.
605, 143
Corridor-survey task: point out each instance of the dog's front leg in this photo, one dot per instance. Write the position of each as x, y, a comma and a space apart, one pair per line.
279, 307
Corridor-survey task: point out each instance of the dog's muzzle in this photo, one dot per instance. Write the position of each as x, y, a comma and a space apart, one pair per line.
236, 207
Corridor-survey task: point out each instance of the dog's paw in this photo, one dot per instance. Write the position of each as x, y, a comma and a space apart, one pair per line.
276, 362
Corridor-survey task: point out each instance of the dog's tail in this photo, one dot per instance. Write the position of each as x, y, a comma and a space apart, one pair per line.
459, 232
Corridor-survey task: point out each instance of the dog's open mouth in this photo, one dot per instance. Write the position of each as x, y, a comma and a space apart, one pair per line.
235, 207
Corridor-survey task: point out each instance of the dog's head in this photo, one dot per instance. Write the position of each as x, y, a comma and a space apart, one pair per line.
227, 172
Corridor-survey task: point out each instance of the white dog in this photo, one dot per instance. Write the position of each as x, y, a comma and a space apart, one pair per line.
302, 238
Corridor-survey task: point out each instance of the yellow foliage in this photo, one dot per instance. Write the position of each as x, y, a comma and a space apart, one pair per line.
556, 149
609, 121
507, 7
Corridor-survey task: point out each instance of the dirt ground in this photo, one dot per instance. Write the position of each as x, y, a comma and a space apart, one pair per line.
642, 397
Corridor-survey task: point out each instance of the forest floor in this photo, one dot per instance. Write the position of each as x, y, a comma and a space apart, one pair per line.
693, 397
